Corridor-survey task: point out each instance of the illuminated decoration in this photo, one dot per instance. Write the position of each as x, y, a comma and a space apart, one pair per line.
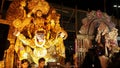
99, 35
39, 33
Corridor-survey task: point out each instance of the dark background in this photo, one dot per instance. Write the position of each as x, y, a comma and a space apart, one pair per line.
103, 5
87, 5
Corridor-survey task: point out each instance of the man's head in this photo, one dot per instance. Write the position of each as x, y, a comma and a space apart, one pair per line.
41, 62
25, 63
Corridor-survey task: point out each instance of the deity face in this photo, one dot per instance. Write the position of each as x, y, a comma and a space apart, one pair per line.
38, 13
91, 15
40, 35
23, 3
62, 34
53, 11
39, 38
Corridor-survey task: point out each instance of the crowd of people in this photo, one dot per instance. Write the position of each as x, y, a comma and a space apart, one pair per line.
41, 64
26, 64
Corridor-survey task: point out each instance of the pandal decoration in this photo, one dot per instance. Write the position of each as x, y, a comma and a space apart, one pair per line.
39, 34
99, 25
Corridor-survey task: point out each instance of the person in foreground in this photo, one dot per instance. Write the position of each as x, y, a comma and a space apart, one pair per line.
41, 63
25, 63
